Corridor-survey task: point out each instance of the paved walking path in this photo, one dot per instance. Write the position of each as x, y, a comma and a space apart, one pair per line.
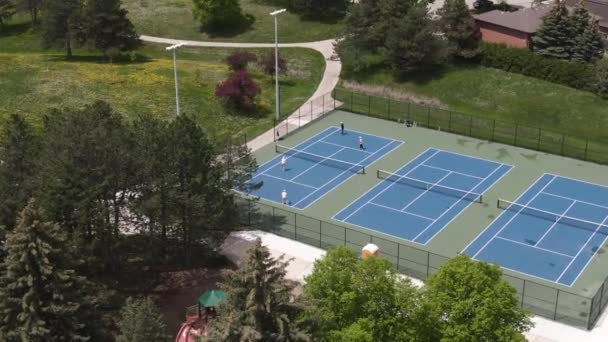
328, 82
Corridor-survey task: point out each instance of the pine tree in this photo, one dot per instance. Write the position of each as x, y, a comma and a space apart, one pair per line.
62, 24
588, 44
258, 305
141, 321
458, 26
555, 37
18, 153
7, 10
41, 297
108, 28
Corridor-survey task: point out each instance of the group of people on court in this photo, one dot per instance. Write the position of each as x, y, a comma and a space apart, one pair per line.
284, 199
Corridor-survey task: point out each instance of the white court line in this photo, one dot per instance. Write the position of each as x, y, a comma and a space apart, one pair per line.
455, 172
540, 248
399, 211
350, 148
458, 201
497, 217
582, 249
426, 191
377, 185
318, 163
572, 199
339, 175
390, 185
555, 223
287, 180
582, 181
513, 217
485, 160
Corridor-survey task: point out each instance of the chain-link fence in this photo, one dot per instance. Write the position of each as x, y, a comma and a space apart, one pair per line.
542, 300
478, 127
307, 113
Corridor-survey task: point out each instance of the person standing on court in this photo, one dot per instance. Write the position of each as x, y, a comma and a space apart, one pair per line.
283, 163
361, 143
342, 127
284, 196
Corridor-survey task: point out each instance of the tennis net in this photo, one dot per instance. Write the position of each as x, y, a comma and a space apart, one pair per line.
554, 217
446, 190
339, 164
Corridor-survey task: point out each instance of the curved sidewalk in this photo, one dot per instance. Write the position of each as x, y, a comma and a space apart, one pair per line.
331, 75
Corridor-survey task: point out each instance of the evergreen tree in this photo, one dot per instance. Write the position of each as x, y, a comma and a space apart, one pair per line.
321, 9
555, 36
108, 28
18, 152
7, 10
469, 301
458, 26
588, 43
62, 24
141, 321
258, 305
41, 296
411, 43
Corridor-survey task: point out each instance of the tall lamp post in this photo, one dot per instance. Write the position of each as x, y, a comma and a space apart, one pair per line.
275, 14
174, 49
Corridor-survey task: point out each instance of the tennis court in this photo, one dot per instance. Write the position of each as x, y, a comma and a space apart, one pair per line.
318, 165
422, 197
552, 231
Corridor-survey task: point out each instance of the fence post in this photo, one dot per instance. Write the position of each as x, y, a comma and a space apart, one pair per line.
351, 100
428, 264
295, 226
320, 234
299, 117
493, 129
515, 138
311, 110
428, 117
369, 105
450, 121
334, 97
409, 111
389, 108
590, 320
323, 105
556, 304
538, 143
586, 147
470, 124
274, 130
563, 142
523, 293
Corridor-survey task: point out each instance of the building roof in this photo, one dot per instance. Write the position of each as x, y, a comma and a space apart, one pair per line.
525, 20
598, 9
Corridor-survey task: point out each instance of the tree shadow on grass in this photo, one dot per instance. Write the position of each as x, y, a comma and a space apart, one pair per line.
422, 76
135, 58
229, 31
14, 29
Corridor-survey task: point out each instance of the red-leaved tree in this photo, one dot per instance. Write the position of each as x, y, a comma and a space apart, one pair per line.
239, 60
239, 90
267, 63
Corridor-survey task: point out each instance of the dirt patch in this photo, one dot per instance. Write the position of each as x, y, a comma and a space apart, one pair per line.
394, 94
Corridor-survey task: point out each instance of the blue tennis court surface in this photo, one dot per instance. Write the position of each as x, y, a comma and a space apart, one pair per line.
552, 231
318, 165
415, 212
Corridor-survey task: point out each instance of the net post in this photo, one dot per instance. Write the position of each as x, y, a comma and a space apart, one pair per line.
498, 203
363, 169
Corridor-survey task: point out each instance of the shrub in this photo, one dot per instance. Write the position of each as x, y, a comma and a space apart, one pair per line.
600, 79
525, 62
239, 90
239, 60
267, 63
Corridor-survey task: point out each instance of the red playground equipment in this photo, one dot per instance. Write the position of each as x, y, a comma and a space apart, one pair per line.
197, 316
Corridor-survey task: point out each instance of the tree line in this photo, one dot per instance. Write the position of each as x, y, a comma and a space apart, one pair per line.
347, 299
75, 190
99, 24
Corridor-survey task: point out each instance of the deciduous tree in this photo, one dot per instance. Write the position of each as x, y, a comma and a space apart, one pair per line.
239, 90
218, 14
33, 7
62, 25
7, 10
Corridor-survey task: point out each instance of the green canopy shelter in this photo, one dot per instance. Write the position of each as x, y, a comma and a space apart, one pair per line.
211, 298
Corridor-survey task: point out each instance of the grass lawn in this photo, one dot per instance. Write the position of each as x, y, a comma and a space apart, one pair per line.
33, 81
506, 96
173, 19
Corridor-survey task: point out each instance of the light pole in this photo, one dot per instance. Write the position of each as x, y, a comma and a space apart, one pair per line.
174, 49
275, 14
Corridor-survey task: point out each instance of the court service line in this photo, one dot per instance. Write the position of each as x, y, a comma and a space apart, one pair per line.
455, 172
556, 222
377, 185
514, 216
339, 175
485, 160
497, 217
319, 163
458, 201
290, 181
370, 134
390, 185
426, 191
531, 246
582, 249
399, 211
572, 199
350, 148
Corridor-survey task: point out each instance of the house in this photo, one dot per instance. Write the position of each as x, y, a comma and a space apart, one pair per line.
517, 28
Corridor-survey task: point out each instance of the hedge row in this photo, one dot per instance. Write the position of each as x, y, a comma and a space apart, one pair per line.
525, 62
